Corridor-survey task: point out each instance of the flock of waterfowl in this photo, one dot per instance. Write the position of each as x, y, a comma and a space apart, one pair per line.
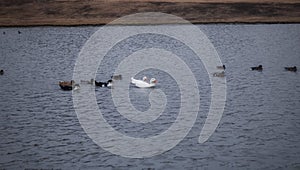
71, 85
143, 83
258, 68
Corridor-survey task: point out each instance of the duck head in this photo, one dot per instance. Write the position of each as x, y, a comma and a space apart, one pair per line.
145, 78
153, 81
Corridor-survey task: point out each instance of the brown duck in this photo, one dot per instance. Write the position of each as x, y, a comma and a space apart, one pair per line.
67, 85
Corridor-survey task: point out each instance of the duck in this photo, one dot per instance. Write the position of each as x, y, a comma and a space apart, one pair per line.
259, 68
144, 79
221, 67
116, 77
143, 83
222, 74
104, 84
1, 72
293, 69
88, 81
67, 85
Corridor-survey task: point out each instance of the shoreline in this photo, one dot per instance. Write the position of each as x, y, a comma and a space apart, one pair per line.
100, 25
100, 12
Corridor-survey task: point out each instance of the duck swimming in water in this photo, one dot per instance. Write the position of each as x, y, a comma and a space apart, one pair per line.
221, 67
104, 84
67, 85
259, 68
222, 74
144, 79
87, 81
116, 77
143, 83
293, 69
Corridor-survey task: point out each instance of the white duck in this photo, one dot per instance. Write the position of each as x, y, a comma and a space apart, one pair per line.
133, 81
143, 83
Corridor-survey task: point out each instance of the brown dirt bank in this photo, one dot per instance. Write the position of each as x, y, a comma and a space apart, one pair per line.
94, 12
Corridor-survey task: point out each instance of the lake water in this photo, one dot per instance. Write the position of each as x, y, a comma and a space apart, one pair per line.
259, 129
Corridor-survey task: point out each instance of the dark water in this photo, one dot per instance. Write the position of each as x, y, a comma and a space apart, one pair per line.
259, 128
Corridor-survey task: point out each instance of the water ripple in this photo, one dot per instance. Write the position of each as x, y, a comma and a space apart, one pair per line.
259, 128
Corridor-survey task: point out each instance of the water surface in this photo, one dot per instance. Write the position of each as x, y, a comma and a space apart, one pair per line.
259, 128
